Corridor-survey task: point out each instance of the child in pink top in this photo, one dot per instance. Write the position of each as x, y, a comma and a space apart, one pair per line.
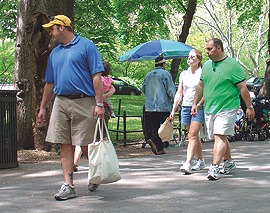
107, 81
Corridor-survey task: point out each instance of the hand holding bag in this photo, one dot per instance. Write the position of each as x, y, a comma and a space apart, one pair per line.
165, 131
103, 161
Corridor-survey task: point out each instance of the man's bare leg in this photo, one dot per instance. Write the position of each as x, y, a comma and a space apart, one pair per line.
221, 149
67, 162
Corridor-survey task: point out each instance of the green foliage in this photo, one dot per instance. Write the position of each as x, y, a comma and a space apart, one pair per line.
8, 18
116, 26
7, 58
140, 21
95, 20
248, 10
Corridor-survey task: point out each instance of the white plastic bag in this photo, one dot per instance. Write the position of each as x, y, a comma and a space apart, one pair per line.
103, 161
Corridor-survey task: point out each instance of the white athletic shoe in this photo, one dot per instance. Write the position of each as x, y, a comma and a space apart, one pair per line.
199, 165
186, 168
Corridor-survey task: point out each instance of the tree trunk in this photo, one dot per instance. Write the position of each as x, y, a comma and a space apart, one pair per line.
265, 90
33, 46
190, 11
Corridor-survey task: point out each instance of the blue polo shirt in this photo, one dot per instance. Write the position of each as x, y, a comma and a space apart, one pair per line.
71, 67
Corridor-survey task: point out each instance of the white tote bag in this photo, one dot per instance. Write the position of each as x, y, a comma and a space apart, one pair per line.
103, 161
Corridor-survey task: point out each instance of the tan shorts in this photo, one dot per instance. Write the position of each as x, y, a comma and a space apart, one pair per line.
72, 121
221, 123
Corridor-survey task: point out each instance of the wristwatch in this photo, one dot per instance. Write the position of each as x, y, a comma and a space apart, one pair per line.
100, 104
250, 107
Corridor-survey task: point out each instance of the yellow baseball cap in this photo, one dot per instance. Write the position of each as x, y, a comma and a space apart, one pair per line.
59, 19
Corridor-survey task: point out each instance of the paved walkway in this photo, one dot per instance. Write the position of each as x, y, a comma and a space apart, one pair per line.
149, 184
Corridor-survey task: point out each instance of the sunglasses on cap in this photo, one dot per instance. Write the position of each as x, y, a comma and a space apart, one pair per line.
52, 18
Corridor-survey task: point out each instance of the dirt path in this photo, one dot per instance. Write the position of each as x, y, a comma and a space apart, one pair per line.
34, 156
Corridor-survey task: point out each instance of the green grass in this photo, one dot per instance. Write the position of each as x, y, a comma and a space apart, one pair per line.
133, 105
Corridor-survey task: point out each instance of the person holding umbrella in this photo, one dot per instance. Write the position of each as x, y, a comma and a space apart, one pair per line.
188, 81
159, 91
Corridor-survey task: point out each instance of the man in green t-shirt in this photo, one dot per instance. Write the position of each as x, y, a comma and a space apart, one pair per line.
222, 80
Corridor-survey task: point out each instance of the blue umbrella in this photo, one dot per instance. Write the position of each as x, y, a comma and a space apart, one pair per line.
151, 50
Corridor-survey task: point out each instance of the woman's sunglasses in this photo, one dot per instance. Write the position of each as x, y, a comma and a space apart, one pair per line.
191, 56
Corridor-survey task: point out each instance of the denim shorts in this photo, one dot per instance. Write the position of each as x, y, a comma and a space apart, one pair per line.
186, 117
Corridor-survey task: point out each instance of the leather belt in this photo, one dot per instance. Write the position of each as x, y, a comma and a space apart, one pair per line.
76, 96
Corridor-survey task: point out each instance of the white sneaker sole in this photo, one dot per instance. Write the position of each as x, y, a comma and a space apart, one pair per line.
185, 171
210, 177
56, 197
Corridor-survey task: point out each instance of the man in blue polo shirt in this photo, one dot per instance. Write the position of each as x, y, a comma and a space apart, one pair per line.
74, 75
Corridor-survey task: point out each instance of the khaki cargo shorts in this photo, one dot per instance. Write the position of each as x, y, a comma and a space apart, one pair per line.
72, 121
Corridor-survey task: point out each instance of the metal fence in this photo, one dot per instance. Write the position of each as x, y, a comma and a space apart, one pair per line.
8, 129
126, 123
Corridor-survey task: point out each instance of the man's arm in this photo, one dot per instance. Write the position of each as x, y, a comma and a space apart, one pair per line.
250, 113
98, 87
197, 98
47, 96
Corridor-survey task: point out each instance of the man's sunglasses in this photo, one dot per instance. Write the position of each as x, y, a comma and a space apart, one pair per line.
52, 18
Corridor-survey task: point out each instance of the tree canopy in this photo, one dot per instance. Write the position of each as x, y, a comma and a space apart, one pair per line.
115, 26
248, 10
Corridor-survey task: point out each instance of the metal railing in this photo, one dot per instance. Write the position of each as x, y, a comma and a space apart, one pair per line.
124, 130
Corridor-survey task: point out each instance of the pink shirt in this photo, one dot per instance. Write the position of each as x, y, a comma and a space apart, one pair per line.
107, 81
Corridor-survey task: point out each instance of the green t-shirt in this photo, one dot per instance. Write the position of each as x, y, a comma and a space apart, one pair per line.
220, 90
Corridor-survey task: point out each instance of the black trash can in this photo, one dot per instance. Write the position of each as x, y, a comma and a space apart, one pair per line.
8, 129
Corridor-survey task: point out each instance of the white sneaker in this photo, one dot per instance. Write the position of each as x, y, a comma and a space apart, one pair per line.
213, 172
65, 192
199, 165
186, 168
227, 167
